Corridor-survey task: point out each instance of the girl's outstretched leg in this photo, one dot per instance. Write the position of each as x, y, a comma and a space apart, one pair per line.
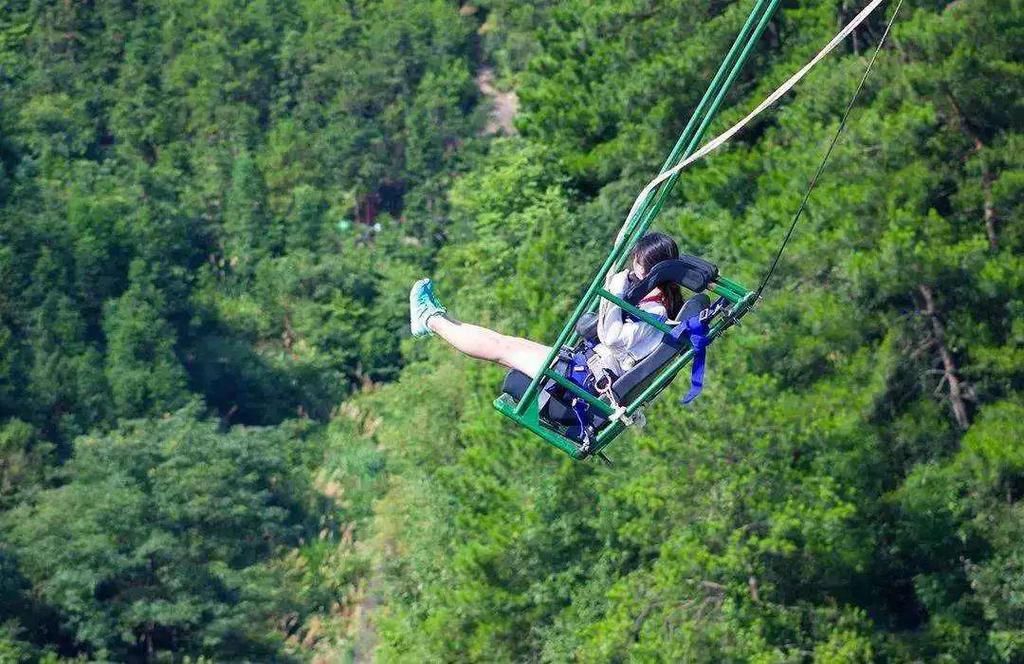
428, 316
484, 344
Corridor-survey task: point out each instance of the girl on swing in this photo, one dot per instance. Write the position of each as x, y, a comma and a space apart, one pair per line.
623, 342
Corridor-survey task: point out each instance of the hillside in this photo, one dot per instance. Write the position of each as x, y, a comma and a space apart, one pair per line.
218, 441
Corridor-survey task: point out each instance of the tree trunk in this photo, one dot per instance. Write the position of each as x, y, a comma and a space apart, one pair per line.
989, 210
957, 389
988, 207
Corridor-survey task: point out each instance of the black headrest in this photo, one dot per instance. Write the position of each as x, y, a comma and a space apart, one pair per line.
688, 271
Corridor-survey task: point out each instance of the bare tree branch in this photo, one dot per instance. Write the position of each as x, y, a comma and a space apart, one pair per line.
956, 386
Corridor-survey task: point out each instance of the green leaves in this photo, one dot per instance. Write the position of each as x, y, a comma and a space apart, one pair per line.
819, 502
231, 201
249, 234
142, 369
161, 533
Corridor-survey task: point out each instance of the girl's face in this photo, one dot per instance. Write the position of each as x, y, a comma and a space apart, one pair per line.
638, 271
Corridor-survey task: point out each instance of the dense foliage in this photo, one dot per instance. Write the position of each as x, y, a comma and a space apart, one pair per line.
216, 440
202, 201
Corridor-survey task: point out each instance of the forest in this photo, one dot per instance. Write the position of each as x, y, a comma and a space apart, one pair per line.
219, 443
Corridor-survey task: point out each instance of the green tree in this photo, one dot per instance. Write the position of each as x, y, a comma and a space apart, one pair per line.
249, 233
144, 374
23, 459
162, 536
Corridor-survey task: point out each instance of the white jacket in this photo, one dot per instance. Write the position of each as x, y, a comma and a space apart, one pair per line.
625, 342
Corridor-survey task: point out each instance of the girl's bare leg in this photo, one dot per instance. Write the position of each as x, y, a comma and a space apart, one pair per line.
484, 344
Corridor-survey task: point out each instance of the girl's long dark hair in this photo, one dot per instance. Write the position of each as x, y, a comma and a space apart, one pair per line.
649, 251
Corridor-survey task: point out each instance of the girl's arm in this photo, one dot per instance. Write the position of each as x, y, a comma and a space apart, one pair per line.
614, 331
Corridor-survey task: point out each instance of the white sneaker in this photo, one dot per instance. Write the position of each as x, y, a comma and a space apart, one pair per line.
423, 304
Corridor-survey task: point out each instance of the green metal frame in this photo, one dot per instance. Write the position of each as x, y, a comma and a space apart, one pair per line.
527, 410
527, 413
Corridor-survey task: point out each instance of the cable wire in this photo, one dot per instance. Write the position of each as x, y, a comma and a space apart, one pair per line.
828, 153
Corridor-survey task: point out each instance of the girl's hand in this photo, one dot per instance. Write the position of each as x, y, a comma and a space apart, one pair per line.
618, 283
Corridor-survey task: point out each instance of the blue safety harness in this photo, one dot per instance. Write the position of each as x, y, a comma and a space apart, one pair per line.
578, 371
693, 331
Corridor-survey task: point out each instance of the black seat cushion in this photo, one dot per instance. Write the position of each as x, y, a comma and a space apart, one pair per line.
516, 384
586, 326
688, 271
556, 410
629, 384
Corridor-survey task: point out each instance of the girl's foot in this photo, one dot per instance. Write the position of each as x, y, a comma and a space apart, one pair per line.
422, 305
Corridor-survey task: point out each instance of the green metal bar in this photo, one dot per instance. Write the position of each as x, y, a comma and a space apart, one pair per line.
691, 134
607, 435
683, 144
507, 406
727, 293
645, 316
736, 286
579, 391
663, 191
716, 92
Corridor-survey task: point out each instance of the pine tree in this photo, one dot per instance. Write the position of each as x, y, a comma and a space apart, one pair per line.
249, 235
144, 373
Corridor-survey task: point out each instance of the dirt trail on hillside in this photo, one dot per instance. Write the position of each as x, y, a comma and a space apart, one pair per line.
504, 105
366, 632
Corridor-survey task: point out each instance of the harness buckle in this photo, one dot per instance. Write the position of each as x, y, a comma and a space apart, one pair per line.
603, 384
620, 414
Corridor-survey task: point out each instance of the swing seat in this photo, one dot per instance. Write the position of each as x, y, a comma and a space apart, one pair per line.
558, 408
549, 412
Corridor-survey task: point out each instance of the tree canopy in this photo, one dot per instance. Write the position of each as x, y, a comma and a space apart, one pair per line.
217, 440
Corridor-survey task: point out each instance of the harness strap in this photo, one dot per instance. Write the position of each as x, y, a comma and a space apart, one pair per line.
562, 366
574, 367
579, 373
697, 332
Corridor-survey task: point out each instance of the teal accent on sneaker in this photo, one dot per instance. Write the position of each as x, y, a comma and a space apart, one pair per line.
441, 309
423, 304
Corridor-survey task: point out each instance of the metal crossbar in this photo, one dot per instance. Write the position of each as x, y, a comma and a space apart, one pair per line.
645, 316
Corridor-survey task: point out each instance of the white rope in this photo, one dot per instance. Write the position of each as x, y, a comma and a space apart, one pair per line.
731, 131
